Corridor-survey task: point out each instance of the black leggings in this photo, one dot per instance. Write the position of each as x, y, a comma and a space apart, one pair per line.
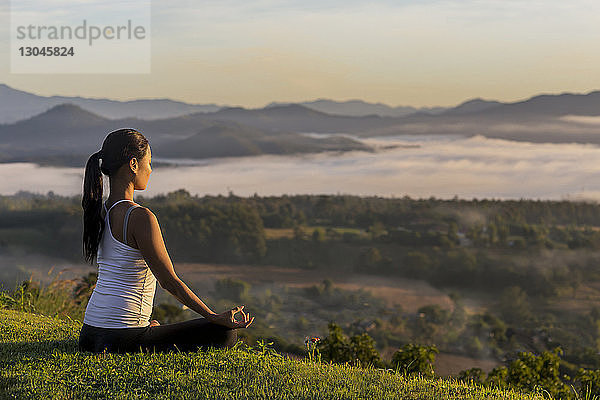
183, 336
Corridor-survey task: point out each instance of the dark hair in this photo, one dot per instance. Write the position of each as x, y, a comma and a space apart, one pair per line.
119, 148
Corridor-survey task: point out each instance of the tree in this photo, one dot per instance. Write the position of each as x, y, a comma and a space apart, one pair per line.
337, 347
298, 233
415, 359
529, 371
318, 235
363, 350
453, 233
473, 375
589, 381
376, 230
370, 258
418, 264
514, 306
232, 289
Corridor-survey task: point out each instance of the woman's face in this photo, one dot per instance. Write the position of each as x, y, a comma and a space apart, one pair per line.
144, 169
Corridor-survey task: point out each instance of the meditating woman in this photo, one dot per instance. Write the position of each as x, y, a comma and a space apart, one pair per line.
126, 240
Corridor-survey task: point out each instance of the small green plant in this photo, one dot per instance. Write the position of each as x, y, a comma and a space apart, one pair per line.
6, 301
26, 295
590, 383
264, 348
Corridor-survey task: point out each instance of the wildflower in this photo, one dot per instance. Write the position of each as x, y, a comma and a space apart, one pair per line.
311, 347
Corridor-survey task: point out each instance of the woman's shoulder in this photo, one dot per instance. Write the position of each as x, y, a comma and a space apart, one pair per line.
146, 229
142, 215
140, 210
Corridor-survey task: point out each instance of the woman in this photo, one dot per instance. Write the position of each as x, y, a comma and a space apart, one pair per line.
127, 242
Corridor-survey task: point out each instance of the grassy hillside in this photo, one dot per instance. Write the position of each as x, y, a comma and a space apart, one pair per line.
39, 359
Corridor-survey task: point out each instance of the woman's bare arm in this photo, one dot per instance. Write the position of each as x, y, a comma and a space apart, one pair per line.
149, 239
152, 246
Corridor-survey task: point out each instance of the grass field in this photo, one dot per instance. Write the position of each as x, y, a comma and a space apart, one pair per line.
39, 360
409, 294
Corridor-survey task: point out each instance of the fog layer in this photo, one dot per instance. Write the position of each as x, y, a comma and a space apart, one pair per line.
443, 166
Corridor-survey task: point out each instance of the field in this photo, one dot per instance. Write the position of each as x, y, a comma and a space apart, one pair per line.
407, 293
39, 360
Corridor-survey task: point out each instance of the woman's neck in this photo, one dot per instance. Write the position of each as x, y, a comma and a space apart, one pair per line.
119, 191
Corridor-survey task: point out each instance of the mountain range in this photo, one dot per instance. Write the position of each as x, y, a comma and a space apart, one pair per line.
359, 108
17, 105
67, 134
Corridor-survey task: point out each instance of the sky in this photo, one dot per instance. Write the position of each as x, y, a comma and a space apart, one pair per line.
418, 53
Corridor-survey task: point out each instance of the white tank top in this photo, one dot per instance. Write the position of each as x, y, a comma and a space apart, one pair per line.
124, 292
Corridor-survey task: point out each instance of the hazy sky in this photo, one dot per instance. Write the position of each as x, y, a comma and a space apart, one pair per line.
420, 53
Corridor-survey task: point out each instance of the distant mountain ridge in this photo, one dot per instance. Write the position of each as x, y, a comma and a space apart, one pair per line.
546, 118
471, 106
359, 108
16, 105
551, 104
68, 131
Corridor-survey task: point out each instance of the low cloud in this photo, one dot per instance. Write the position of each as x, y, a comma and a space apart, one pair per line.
440, 166
582, 119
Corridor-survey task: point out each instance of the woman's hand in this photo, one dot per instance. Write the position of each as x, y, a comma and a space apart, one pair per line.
228, 319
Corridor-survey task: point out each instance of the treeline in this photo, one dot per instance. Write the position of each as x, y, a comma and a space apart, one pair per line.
474, 244
229, 228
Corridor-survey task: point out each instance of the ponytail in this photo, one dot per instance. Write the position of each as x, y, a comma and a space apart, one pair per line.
117, 149
93, 224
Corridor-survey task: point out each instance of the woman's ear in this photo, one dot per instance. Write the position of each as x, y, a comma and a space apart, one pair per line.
133, 164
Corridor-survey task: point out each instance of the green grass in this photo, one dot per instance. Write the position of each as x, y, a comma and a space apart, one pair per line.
39, 359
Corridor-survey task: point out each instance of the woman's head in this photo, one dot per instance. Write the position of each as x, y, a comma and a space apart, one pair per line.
126, 158
126, 155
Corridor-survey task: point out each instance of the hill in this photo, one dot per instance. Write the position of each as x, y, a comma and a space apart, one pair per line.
470, 106
39, 359
233, 140
299, 118
62, 127
67, 134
